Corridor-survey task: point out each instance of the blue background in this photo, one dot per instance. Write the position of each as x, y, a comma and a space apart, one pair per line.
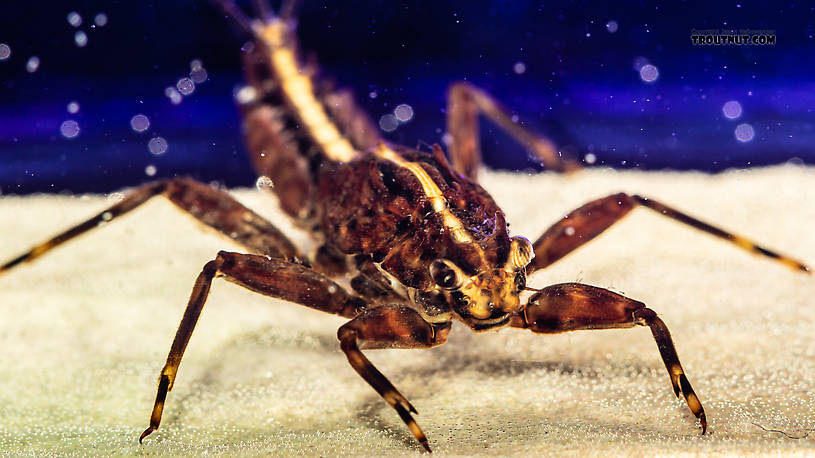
580, 86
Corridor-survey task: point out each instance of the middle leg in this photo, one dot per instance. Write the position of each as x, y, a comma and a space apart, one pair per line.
213, 207
268, 276
587, 222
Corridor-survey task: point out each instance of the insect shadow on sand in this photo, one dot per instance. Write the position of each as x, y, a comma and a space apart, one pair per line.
257, 342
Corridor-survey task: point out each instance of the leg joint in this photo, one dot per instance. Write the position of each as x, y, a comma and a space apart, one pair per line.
644, 316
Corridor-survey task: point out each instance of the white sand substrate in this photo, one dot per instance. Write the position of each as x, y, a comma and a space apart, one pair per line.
86, 329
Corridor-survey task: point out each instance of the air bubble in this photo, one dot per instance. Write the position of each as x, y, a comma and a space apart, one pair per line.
80, 38
612, 26
73, 107
69, 128
139, 123
744, 132
157, 145
173, 95
5, 51
263, 183
150, 170
185, 86
403, 113
32, 64
74, 19
731, 109
115, 197
198, 75
519, 68
101, 19
246, 95
649, 73
590, 158
388, 123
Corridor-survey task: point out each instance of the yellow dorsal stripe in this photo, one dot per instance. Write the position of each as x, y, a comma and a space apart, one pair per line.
297, 88
431, 191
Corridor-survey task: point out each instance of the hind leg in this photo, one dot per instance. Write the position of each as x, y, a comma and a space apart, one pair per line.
464, 103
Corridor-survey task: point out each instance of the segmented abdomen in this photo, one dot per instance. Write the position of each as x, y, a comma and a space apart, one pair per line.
294, 121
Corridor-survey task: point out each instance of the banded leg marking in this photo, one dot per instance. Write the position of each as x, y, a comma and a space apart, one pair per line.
213, 207
593, 218
389, 327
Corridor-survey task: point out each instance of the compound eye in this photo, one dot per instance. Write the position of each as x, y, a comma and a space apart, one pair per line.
445, 274
520, 253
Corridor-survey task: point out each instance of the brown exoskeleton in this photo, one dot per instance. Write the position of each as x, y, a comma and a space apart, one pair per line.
425, 245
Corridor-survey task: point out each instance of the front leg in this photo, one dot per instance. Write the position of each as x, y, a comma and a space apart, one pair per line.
389, 327
574, 306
